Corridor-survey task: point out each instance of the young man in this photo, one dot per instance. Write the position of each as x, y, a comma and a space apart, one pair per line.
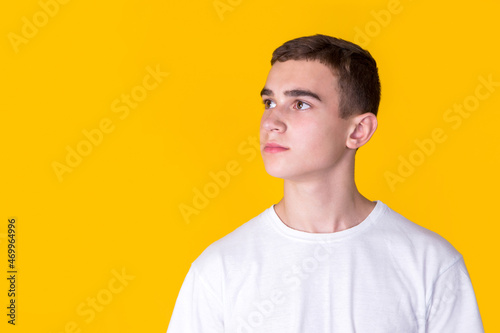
325, 258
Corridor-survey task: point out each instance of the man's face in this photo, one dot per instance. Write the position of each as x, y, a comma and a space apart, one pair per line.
301, 134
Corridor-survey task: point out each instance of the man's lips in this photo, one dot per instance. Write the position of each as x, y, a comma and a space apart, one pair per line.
272, 147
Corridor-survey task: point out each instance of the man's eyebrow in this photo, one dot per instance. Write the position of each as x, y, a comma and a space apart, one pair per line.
301, 92
267, 92
293, 93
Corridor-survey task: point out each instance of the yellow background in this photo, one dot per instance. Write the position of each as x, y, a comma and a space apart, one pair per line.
118, 210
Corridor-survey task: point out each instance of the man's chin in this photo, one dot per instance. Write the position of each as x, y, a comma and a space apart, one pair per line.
283, 173
275, 172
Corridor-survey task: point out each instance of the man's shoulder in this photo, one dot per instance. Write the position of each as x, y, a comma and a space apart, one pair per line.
236, 243
409, 240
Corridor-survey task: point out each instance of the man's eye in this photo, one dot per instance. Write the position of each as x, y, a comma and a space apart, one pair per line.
302, 105
269, 104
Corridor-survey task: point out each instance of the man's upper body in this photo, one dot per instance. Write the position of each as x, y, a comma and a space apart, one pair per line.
384, 275
381, 273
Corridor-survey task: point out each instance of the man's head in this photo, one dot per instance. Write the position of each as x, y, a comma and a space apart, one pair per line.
355, 69
317, 115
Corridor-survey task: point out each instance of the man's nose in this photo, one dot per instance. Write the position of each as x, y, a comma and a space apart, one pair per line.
273, 121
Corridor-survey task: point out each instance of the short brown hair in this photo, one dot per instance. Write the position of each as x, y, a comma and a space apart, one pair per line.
355, 68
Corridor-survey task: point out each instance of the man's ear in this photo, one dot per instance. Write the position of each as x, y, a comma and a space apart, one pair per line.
361, 130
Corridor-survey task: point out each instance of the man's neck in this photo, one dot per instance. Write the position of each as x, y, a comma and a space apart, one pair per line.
323, 206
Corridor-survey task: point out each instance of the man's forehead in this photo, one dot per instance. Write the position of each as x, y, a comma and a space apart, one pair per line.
299, 78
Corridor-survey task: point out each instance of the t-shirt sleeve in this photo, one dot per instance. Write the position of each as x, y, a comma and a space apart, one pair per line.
452, 307
198, 308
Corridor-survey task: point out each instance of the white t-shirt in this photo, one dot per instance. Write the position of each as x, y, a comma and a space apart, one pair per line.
386, 274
